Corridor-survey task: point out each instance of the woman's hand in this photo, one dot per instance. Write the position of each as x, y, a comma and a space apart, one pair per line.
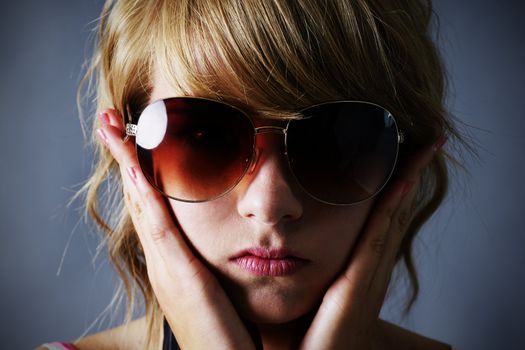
348, 315
194, 304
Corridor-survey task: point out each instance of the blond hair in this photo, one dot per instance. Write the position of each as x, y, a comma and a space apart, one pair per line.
271, 56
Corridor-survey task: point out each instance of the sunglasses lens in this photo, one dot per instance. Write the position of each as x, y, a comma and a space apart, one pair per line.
193, 149
343, 152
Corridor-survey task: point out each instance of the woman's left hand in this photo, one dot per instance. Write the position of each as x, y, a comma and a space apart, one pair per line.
349, 313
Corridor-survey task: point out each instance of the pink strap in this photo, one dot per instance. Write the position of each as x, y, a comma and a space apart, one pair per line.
59, 346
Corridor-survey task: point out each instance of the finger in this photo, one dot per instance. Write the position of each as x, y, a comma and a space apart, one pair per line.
157, 231
112, 117
412, 171
401, 220
403, 215
375, 240
158, 228
372, 244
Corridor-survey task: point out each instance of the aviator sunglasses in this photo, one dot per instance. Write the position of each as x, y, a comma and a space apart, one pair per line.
195, 149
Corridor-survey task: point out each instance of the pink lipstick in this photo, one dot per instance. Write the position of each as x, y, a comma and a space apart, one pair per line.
269, 262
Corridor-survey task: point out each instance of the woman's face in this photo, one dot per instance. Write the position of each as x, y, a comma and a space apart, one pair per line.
274, 249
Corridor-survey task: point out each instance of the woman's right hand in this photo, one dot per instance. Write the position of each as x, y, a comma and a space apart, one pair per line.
191, 298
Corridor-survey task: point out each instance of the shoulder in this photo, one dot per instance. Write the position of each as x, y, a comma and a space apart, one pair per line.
127, 336
391, 336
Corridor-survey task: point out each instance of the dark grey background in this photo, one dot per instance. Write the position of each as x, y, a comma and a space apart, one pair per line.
471, 256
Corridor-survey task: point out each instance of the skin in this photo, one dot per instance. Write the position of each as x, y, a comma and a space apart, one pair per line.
210, 303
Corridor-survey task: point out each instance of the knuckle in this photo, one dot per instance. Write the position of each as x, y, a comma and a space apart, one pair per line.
378, 245
127, 197
133, 206
137, 209
403, 219
158, 233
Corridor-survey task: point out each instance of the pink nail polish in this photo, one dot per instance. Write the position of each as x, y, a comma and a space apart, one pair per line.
407, 187
131, 173
102, 136
439, 143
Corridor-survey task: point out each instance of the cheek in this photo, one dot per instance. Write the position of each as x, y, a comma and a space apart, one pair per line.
338, 232
328, 233
204, 224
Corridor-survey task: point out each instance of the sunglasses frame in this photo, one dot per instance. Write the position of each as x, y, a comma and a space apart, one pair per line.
131, 130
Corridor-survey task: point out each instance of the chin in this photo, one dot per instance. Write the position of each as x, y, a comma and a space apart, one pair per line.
268, 316
273, 305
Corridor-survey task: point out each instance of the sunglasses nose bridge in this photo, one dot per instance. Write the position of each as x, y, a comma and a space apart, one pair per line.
269, 129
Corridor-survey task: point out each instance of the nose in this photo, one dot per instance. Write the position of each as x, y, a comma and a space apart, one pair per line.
266, 193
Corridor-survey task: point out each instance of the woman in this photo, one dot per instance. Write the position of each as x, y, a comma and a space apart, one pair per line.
275, 160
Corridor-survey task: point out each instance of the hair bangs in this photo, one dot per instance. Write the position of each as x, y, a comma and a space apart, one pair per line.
272, 58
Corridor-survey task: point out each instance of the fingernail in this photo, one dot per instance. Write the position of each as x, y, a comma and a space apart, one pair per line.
439, 143
132, 174
104, 118
407, 187
102, 136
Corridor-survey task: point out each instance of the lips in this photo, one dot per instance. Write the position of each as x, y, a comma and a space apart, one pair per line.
269, 262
